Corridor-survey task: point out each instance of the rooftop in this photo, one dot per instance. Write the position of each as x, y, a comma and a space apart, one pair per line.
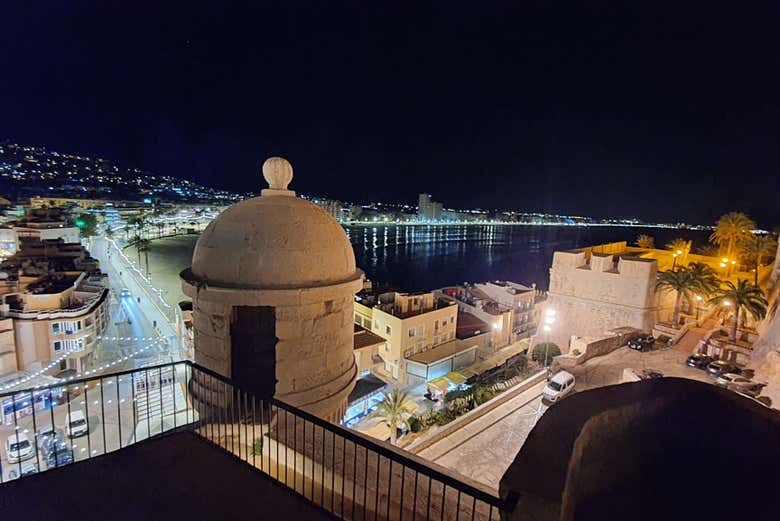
52, 284
469, 325
364, 338
171, 477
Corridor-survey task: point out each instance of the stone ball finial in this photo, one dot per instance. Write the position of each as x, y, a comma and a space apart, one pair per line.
277, 172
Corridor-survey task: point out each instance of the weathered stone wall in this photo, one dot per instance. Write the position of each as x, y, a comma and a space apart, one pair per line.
592, 296
590, 348
315, 363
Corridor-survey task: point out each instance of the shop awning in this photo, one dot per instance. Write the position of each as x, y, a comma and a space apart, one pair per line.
456, 378
440, 384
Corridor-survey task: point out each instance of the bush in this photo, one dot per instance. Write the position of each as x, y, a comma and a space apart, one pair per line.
455, 395
548, 348
415, 425
518, 362
257, 447
483, 394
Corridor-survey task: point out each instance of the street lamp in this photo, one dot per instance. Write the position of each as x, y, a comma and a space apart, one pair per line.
698, 307
549, 320
674, 263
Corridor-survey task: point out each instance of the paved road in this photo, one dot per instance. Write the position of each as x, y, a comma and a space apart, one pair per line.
117, 411
484, 449
146, 316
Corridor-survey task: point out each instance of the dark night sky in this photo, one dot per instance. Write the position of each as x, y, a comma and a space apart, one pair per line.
599, 110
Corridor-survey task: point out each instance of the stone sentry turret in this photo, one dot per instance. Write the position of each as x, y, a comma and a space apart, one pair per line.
272, 283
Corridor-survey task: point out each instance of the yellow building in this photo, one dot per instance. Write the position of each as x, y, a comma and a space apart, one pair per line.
411, 324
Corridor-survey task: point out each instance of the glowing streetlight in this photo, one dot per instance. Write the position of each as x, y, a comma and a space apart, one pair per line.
674, 262
698, 307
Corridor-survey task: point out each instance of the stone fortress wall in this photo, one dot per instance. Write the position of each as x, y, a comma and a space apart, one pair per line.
594, 291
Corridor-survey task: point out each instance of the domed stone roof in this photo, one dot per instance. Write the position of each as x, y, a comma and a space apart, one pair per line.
274, 241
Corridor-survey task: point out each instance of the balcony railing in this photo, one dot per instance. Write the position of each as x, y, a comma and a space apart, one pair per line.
346, 473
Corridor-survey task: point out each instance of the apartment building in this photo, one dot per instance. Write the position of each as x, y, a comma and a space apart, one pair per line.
57, 317
506, 307
411, 323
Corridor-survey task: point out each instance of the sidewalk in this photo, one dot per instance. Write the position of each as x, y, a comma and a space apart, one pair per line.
150, 303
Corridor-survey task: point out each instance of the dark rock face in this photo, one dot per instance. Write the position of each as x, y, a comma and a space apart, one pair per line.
663, 449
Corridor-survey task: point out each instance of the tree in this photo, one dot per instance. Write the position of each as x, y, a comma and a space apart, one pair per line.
703, 277
682, 283
741, 297
87, 224
134, 242
708, 250
730, 230
545, 352
756, 249
679, 244
144, 246
645, 241
394, 409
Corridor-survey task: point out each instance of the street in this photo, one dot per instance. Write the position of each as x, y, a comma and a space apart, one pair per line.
483, 449
119, 411
139, 314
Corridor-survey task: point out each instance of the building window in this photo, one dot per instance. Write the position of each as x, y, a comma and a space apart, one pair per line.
367, 323
55, 328
411, 332
436, 325
376, 325
58, 346
358, 319
388, 330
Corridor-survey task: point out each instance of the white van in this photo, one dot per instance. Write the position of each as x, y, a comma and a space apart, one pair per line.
559, 386
18, 448
76, 424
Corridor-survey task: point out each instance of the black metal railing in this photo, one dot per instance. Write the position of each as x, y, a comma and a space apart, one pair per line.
51, 426
342, 471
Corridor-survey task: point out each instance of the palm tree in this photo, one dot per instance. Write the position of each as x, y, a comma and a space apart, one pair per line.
705, 280
679, 245
685, 281
135, 241
730, 230
742, 296
708, 250
394, 409
645, 241
144, 246
757, 249
679, 282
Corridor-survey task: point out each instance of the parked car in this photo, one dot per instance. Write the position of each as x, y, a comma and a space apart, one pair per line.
560, 385
650, 374
642, 343
27, 468
46, 433
699, 361
719, 367
76, 424
124, 292
18, 448
56, 452
736, 382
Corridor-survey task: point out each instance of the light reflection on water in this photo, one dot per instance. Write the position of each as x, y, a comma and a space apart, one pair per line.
416, 258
